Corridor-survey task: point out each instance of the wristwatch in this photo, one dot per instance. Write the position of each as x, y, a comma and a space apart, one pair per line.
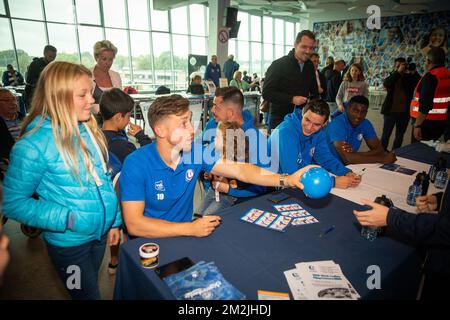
282, 180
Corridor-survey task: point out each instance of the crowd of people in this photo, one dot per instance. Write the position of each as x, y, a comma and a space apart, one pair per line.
72, 147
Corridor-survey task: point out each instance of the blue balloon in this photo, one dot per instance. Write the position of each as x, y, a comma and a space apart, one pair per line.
317, 182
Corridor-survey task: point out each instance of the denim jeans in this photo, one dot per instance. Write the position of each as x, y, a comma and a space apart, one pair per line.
209, 206
88, 258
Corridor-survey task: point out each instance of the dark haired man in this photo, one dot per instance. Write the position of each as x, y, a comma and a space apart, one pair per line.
346, 132
34, 71
291, 80
300, 141
395, 110
157, 181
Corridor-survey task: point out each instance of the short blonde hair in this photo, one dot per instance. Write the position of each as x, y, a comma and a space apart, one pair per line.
236, 74
104, 45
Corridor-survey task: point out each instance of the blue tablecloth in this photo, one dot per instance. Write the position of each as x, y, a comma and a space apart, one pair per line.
254, 258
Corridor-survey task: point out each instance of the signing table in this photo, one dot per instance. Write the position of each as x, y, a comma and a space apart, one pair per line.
254, 258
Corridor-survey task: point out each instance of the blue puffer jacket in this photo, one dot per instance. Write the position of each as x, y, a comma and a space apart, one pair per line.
36, 166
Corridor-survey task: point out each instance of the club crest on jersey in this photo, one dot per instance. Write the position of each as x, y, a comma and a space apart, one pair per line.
189, 175
159, 186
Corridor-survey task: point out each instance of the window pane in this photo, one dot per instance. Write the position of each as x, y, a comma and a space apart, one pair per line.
290, 38
142, 64
180, 63
31, 43
160, 19
279, 51
268, 56
30, 9
198, 45
197, 19
243, 29
297, 28
88, 37
178, 18
114, 13
161, 53
255, 26
138, 14
279, 31
59, 10
7, 54
2, 8
256, 58
232, 48
121, 63
268, 30
88, 11
62, 36
243, 56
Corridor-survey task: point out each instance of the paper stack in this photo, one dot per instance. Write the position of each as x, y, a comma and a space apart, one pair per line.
319, 280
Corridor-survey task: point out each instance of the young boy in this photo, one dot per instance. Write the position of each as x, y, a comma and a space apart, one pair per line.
115, 109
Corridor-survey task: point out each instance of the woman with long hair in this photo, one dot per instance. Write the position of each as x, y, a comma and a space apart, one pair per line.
61, 155
353, 84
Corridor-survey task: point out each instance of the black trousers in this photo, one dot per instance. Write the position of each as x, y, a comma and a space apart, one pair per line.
400, 121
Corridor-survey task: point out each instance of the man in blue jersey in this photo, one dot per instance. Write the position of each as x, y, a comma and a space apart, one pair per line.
157, 181
346, 132
299, 141
228, 107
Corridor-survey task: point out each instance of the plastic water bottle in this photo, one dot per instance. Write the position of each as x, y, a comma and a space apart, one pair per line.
371, 233
424, 182
441, 179
414, 191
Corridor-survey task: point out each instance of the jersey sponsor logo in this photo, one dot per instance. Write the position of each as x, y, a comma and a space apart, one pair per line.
189, 174
159, 186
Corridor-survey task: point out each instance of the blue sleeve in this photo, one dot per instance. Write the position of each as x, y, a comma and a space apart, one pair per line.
209, 157
207, 77
369, 131
143, 139
335, 131
286, 153
209, 132
324, 157
25, 172
132, 181
5, 79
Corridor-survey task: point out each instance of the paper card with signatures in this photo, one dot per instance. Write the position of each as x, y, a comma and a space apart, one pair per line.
299, 215
267, 219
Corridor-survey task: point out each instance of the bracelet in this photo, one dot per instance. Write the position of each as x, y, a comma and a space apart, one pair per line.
282, 180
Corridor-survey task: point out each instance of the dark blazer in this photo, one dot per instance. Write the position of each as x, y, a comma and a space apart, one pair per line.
284, 80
